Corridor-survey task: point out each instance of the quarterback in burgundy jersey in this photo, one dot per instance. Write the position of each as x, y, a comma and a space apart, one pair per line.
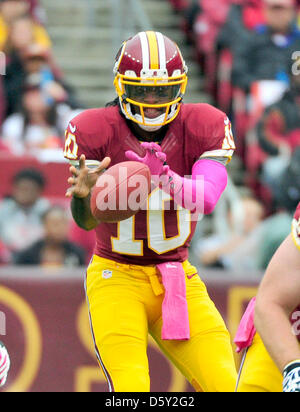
270, 329
198, 132
148, 253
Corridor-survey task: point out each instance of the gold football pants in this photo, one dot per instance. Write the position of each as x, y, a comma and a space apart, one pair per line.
258, 372
125, 304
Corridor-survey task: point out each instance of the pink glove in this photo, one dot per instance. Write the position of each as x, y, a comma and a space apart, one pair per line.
154, 158
4, 364
206, 192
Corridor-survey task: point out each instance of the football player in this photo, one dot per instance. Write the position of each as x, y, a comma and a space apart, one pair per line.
270, 329
4, 364
140, 279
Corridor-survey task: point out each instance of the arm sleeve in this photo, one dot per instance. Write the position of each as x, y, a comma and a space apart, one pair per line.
201, 192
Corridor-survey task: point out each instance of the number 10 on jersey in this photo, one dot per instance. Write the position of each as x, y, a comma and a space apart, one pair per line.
125, 242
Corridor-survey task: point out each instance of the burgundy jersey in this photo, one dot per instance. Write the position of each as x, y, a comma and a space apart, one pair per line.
163, 232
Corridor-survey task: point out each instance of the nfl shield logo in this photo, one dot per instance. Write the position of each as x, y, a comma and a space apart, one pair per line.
106, 274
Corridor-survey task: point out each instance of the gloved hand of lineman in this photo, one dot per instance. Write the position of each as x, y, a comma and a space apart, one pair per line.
291, 377
4, 364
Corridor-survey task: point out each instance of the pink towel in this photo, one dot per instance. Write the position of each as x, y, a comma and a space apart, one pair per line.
174, 308
246, 330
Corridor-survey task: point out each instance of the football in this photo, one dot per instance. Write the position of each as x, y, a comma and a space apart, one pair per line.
120, 192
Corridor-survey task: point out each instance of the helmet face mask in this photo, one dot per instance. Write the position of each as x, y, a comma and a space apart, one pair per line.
149, 83
160, 94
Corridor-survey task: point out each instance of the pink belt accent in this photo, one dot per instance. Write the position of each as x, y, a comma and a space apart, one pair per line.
246, 330
174, 308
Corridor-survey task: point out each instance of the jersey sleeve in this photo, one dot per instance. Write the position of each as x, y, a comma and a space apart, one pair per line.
296, 227
88, 134
213, 134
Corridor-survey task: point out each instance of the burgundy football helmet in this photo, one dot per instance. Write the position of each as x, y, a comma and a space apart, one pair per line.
150, 79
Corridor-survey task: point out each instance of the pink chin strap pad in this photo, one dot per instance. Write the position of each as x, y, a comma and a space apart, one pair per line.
201, 192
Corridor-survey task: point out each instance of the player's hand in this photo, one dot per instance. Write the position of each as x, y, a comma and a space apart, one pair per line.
4, 364
291, 377
154, 158
83, 179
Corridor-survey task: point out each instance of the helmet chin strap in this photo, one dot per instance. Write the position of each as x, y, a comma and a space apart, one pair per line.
149, 128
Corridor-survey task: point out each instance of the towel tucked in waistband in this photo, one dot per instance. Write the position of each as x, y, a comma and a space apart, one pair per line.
174, 308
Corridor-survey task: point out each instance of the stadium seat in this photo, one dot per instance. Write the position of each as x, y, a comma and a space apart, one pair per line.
56, 176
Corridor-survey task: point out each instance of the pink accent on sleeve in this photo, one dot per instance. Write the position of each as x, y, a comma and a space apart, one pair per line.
201, 192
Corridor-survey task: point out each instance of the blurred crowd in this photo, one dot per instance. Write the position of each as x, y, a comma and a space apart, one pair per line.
36, 104
36, 101
248, 52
